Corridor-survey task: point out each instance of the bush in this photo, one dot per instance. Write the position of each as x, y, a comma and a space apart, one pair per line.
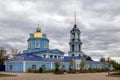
40, 70
72, 71
59, 72
36, 71
50, 71
30, 70
56, 69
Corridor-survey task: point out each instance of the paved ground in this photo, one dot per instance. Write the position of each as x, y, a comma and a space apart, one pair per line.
51, 76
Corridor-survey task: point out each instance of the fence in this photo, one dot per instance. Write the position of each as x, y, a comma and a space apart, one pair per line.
2, 67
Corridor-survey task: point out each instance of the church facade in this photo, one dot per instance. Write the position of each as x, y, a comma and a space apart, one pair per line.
39, 55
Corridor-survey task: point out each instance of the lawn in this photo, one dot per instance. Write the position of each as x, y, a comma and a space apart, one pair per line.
5, 75
117, 74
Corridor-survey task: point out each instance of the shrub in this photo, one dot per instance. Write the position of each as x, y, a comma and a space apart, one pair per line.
59, 72
30, 70
40, 69
72, 71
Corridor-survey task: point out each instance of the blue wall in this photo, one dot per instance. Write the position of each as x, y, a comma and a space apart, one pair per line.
16, 66
38, 65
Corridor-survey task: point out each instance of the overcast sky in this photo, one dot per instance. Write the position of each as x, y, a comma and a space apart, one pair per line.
98, 20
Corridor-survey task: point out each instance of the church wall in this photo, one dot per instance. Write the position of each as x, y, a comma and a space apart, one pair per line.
95, 66
38, 64
41, 43
66, 65
14, 66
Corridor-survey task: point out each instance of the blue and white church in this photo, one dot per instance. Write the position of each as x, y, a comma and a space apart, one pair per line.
39, 54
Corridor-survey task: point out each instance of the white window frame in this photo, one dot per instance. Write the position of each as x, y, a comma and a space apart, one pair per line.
37, 45
29, 44
34, 67
11, 67
45, 44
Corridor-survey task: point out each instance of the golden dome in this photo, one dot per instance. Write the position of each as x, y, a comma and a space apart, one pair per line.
38, 33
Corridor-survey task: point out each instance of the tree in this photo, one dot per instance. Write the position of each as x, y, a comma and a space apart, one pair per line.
82, 64
108, 60
71, 63
3, 55
14, 52
113, 63
102, 59
57, 65
89, 58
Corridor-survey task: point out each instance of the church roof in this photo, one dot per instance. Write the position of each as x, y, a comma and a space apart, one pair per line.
95, 62
25, 56
30, 57
56, 51
69, 58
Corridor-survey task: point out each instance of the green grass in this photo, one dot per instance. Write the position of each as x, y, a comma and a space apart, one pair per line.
115, 74
6, 75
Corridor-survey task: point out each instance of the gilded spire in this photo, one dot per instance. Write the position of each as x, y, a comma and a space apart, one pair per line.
75, 18
38, 28
38, 33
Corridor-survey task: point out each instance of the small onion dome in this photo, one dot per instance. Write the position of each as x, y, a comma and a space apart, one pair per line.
75, 29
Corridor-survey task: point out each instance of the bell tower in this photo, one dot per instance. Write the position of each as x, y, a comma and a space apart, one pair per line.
75, 41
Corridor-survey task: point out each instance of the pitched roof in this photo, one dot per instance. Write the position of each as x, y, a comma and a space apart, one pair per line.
56, 51
30, 57
95, 62
69, 58
25, 56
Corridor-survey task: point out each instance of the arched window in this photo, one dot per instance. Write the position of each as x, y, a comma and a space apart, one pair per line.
51, 56
79, 47
73, 55
37, 44
58, 56
44, 56
34, 67
72, 47
55, 56
29, 44
45, 44
11, 67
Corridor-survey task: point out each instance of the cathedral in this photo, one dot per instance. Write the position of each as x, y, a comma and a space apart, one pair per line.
39, 55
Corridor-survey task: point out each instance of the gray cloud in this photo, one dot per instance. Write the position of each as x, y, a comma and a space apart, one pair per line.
98, 21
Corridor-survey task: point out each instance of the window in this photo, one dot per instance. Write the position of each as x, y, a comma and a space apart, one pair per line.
79, 47
45, 44
44, 56
10, 67
55, 56
43, 67
29, 44
77, 65
34, 67
63, 66
72, 47
73, 55
58, 56
37, 44
51, 56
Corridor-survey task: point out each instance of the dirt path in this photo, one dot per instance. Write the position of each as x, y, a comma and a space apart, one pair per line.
51, 76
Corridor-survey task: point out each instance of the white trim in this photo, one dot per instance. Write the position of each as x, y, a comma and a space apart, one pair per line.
51, 66
29, 44
5, 67
37, 45
23, 66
